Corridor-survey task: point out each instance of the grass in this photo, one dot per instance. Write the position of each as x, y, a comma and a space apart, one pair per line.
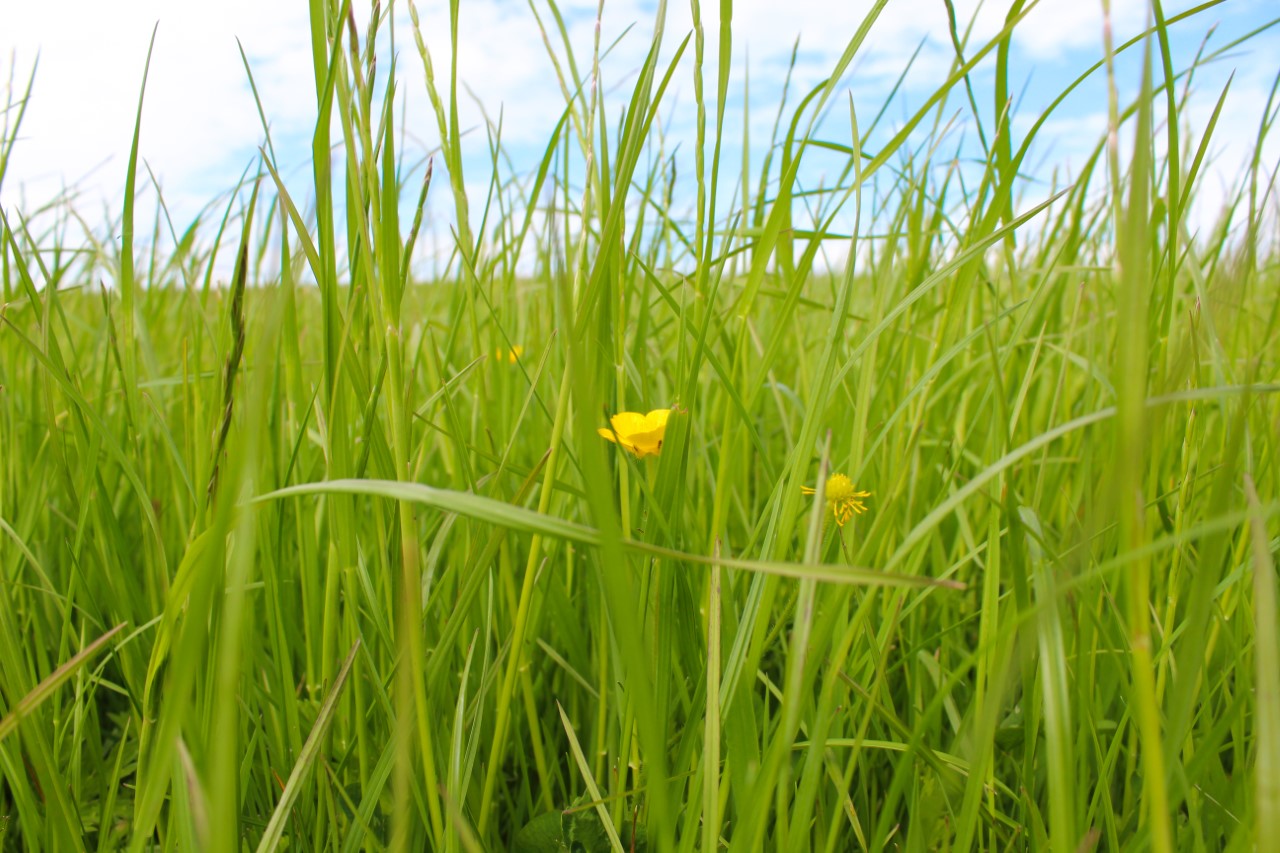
310, 561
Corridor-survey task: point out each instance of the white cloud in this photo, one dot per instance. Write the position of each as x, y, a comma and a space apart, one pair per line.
200, 126
199, 121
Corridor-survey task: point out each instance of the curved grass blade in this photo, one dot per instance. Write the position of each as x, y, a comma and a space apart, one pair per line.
310, 751
527, 521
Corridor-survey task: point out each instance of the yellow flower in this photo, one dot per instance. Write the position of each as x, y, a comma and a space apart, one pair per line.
641, 434
843, 499
510, 355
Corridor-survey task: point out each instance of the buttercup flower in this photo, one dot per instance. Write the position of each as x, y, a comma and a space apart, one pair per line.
510, 355
641, 434
843, 499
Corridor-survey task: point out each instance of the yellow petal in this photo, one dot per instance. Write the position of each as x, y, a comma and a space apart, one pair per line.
627, 424
655, 428
640, 434
649, 436
646, 445
623, 440
657, 419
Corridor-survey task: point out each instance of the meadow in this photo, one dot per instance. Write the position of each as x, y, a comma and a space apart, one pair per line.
321, 555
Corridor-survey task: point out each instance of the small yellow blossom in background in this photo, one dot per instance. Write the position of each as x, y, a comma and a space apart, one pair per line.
641, 434
510, 355
844, 500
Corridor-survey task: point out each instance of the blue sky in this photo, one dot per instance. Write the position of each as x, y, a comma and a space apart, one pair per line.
200, 127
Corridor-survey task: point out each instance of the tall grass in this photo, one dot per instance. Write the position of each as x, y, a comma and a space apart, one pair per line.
328, 557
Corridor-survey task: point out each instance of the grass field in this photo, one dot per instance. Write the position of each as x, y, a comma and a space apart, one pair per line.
326, 557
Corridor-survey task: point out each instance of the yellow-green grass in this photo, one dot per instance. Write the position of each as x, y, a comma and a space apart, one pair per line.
330, 558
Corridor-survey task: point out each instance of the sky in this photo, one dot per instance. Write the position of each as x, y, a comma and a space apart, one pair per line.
200, 127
